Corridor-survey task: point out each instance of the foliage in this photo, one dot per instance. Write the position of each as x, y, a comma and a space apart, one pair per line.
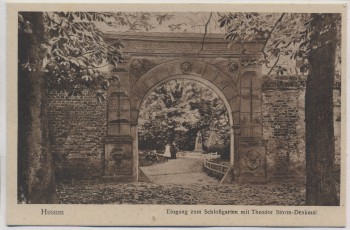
75, 54
313, 41
176, 111
74, 51
288, 37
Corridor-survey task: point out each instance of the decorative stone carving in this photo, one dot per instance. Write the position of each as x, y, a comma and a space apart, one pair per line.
186, 67
138, 67
250, 61
136, 64
233, 67
252, 160
230, 67
118, 154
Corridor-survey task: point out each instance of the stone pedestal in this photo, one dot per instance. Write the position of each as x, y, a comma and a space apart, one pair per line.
118, 158
252, 161
251, 152
119, 154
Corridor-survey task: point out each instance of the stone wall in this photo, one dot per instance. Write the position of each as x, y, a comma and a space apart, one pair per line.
77, 130
284, 125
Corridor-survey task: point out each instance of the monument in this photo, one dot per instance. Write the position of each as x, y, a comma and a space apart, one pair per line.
199, 143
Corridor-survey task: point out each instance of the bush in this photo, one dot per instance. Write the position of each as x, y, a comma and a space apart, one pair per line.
225, 153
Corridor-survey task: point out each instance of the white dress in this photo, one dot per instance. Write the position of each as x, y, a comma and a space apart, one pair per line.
167, 151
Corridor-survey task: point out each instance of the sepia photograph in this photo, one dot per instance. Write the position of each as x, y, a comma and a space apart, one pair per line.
179, 107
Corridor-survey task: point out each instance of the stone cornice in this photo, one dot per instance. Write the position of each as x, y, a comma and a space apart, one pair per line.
181, 44
172, 37
289, 82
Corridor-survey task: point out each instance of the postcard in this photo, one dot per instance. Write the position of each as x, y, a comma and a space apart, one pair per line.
176, 114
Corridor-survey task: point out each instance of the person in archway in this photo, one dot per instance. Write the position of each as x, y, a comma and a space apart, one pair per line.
173, 150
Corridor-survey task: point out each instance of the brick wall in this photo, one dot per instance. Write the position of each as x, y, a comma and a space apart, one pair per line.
77, 128
284, 125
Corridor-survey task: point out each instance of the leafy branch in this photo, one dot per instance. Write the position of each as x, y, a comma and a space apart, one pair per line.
269, 36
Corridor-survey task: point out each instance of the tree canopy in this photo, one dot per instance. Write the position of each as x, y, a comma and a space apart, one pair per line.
313, 41
177, 110
289, 37
73, 54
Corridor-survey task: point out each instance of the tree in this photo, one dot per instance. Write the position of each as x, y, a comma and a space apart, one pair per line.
64, 51
36, 182
176, 111
320, 179
284, 35
56, 50
311, 40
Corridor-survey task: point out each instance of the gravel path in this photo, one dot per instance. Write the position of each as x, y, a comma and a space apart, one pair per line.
186, 169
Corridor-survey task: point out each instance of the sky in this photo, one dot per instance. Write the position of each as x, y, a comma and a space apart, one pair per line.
183, 22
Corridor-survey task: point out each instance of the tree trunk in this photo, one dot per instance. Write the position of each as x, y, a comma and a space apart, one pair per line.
36, 183
320, 180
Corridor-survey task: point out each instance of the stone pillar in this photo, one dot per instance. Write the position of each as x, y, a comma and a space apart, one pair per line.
237, 134
252, 150
232, 172
135, 147
119, 143
134, 116
232, 146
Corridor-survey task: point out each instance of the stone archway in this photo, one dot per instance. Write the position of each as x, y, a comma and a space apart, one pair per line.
211, 86
239, 88
146, 84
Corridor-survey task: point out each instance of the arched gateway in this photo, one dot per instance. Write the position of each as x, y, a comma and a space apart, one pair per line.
153, 59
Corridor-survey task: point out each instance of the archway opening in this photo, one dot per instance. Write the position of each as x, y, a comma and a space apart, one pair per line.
176, 112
